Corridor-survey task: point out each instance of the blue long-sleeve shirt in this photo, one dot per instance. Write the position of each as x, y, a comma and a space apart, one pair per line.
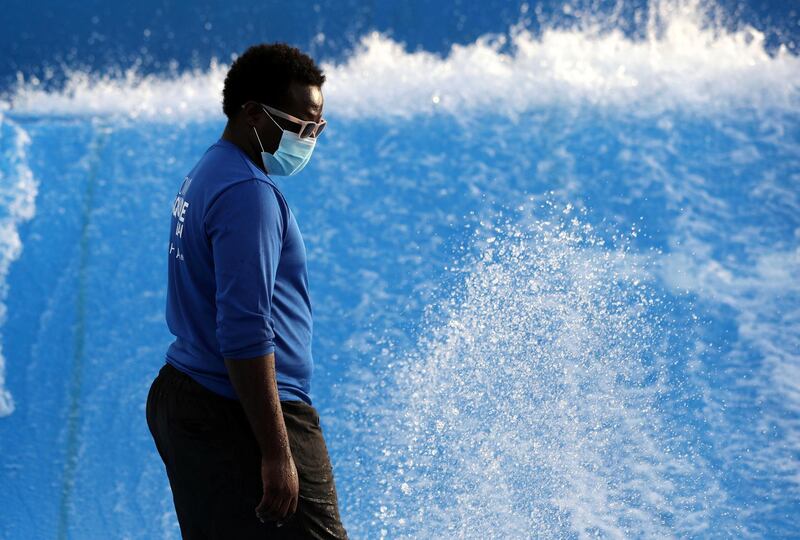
237, 277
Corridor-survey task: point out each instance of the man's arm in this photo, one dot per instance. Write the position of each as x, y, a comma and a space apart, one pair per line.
254, 382
245, 228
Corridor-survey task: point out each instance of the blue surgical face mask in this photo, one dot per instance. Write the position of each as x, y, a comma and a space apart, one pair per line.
292, 154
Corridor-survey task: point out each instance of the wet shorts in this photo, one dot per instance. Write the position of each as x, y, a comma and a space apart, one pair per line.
213, 463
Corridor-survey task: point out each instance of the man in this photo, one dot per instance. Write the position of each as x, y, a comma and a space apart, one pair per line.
230, 411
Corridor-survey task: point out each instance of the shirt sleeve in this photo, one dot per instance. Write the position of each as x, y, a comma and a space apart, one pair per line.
245, 227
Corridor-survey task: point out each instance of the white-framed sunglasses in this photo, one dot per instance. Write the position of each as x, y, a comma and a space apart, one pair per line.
307, 127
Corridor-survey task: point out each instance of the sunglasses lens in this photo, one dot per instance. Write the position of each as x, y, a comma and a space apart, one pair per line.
312, 130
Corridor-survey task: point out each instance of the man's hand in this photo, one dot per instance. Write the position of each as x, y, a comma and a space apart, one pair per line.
254, 382
281, 487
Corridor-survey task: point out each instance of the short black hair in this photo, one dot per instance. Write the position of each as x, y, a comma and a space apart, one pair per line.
264, 72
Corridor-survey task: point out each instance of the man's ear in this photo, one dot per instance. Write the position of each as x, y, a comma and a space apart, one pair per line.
251, 111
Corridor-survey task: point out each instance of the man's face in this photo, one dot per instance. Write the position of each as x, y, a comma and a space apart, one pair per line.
302, 101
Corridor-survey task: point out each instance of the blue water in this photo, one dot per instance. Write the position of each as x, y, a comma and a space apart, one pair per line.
555, 278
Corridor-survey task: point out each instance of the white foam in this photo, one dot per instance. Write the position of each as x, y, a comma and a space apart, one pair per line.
533, 406
683, 61
190, 95
18, 189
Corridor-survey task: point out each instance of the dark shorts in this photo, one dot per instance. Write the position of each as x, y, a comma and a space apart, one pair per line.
213, 463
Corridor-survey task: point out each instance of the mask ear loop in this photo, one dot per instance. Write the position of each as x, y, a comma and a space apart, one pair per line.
258, 138
256, 131
273, 120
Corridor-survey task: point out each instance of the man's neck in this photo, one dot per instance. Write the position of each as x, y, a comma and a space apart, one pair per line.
235, 136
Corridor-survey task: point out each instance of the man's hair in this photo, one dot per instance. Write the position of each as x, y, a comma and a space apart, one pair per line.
264, 72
